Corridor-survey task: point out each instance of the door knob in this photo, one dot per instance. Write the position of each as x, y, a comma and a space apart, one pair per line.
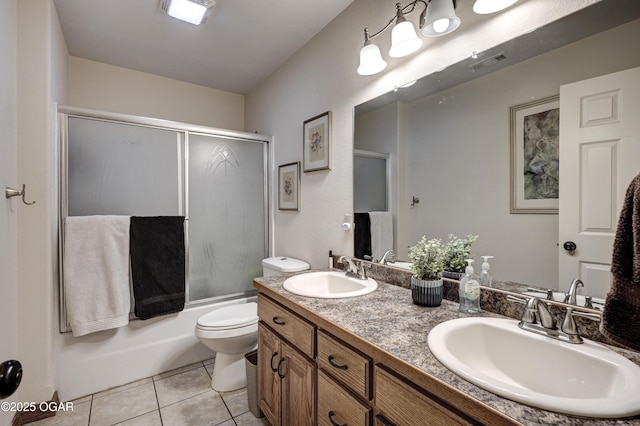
10, 377
570, 246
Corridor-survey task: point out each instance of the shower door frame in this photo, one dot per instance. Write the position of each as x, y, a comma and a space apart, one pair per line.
182, 130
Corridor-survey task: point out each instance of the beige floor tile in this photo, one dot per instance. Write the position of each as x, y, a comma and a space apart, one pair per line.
209, 361
123, 405
209, 368
78, 417
149, 419
203, 410
229, 422
248, 419
83, 399
182, 386
177, 371
236, 401
123, 387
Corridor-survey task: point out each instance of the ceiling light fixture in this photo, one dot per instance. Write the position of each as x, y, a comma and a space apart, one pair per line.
193, 11
483, 7
438, 18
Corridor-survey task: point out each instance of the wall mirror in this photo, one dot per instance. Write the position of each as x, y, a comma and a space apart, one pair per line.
448, 140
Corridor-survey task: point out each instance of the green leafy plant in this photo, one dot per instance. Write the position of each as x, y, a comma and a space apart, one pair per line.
428, 259
456, 251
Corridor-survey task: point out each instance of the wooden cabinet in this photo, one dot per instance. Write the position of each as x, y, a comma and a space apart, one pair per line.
331, 377
401, 403
337, 406
345, 364
286, 381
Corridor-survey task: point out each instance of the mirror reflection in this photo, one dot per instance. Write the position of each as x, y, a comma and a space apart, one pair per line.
446, 150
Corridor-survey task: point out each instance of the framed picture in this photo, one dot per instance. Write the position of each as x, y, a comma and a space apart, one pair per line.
289, 186
317, 143
535, 143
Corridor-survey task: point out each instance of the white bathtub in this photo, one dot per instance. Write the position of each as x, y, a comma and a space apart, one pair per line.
99, 361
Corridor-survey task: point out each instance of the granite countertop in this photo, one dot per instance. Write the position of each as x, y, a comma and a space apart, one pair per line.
401, 328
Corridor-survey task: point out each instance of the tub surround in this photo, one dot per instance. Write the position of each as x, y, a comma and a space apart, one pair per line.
399, 335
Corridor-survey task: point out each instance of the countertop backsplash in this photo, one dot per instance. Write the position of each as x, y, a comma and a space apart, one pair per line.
492, 299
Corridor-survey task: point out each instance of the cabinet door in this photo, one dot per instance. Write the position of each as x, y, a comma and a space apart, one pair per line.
337, 406
269, 356
403, 404
298, 389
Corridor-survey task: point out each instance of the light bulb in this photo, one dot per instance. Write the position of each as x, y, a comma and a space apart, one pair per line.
441, 25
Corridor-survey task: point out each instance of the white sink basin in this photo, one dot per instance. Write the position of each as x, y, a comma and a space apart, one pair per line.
580, 379
328, 285
402, 265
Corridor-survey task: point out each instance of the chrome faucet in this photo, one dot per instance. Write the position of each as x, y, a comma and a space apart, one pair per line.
388, 257
537, 311
355, 268
570, 297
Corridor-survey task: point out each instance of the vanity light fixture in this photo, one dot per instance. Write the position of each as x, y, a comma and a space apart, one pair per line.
483, 7
193, 11
438, 18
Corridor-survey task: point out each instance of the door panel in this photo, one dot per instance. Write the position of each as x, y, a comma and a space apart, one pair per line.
599, 152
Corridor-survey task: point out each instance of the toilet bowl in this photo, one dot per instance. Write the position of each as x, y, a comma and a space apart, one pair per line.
231, 332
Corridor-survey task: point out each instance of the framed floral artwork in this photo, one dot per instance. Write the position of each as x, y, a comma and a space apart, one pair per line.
535, 146
289, 186
317, 143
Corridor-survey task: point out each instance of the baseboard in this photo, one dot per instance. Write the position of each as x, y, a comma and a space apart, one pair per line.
25, 417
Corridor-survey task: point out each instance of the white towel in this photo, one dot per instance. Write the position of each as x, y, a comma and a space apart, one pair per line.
381, 233
96, 272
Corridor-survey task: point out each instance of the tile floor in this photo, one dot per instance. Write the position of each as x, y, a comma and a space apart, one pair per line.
181, 397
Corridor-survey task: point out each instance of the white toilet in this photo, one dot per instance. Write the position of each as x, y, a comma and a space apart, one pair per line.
232, 331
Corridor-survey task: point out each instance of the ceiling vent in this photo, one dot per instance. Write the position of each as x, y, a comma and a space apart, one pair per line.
488, 62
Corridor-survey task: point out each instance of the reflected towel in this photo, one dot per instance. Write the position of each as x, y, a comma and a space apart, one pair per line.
381, 233
361, 235
157, 265
621, 314
96, 272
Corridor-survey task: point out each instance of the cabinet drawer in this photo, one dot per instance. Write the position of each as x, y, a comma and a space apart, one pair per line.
345, 364
337, 406
289, 325
402, 403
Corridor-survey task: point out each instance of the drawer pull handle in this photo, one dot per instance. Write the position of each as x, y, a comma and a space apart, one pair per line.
278, 369
277, 321
274, 369
333, 422
333, 364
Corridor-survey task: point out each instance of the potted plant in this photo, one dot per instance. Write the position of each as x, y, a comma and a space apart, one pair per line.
427, 258
456, 252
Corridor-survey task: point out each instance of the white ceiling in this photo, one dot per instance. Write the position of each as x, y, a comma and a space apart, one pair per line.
242, 42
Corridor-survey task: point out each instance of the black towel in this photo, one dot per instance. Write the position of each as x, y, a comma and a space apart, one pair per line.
361, 235
157, 265
621, 314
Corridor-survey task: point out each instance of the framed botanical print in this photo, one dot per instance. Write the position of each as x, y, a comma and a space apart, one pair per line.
289, 186
317, 143
535, 147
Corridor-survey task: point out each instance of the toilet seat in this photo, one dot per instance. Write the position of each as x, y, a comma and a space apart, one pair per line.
229, 317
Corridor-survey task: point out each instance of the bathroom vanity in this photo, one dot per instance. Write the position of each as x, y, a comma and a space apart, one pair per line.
365, 361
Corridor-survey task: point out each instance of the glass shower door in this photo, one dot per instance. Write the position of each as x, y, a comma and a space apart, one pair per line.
227, 215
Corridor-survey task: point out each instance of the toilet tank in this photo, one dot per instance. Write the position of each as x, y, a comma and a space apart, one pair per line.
279, 265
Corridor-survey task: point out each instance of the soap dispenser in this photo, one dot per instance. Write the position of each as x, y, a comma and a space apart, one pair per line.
469, 290
485, 275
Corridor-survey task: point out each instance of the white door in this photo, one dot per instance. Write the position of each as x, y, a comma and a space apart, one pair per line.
8, 208
599, 156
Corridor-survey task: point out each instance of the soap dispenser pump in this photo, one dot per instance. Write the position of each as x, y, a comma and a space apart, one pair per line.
485, 275
469, 291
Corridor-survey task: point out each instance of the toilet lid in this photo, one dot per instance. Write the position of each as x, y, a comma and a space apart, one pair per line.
233, 316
